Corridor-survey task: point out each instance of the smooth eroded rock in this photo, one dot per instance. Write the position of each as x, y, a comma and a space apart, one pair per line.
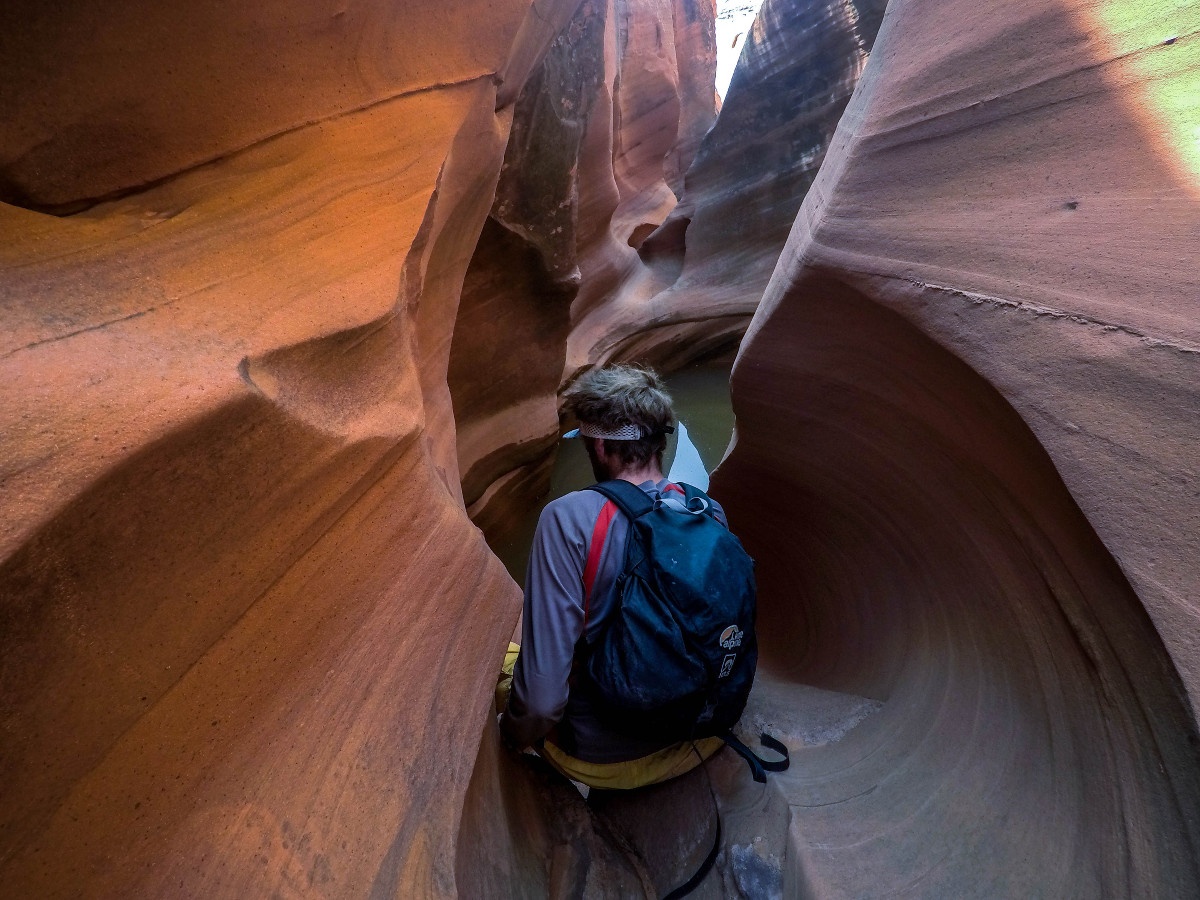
248, 631
963, 411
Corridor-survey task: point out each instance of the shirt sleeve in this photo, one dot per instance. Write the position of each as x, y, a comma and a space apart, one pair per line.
552, 624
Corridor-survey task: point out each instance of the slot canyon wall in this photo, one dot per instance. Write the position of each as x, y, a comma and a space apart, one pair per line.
966, 458
248, 628
606, 124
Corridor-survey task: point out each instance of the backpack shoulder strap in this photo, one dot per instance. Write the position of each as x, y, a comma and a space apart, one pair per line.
630, 498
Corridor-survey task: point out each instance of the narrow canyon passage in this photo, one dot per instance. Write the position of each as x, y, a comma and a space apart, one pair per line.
962, 672
290, 293
657, 832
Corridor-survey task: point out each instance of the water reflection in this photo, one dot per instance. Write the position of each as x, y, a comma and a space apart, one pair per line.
688, 467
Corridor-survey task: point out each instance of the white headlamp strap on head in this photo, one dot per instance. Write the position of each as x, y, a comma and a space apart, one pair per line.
624, 433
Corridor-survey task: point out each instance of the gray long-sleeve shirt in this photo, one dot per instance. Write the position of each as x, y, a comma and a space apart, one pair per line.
553, 622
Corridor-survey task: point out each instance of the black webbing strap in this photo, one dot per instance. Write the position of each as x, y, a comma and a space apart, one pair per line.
705, 867
759, 767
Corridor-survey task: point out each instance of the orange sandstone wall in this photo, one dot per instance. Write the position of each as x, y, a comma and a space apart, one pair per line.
967, 414
288, 291
98, 101
247, 630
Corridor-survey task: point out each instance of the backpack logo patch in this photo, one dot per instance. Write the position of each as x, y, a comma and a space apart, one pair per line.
731, 637
727, 665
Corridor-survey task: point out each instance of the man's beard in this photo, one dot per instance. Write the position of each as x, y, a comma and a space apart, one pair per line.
600, 469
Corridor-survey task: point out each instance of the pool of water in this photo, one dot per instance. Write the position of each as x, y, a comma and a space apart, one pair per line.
701, 395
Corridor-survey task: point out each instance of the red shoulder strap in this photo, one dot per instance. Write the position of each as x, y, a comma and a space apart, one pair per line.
595, 549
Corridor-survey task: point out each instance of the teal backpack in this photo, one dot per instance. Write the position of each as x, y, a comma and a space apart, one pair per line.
677, 658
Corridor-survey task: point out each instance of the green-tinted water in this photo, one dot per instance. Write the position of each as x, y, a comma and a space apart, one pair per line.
701, 395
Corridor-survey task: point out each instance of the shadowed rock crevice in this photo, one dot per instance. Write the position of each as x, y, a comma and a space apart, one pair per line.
538, 193
504, 390
527, 832
507, 291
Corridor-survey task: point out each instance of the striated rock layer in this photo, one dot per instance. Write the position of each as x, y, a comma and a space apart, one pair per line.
967, 413
97, 103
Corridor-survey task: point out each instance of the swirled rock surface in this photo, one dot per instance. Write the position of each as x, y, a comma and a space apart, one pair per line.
967, 413
288, 294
